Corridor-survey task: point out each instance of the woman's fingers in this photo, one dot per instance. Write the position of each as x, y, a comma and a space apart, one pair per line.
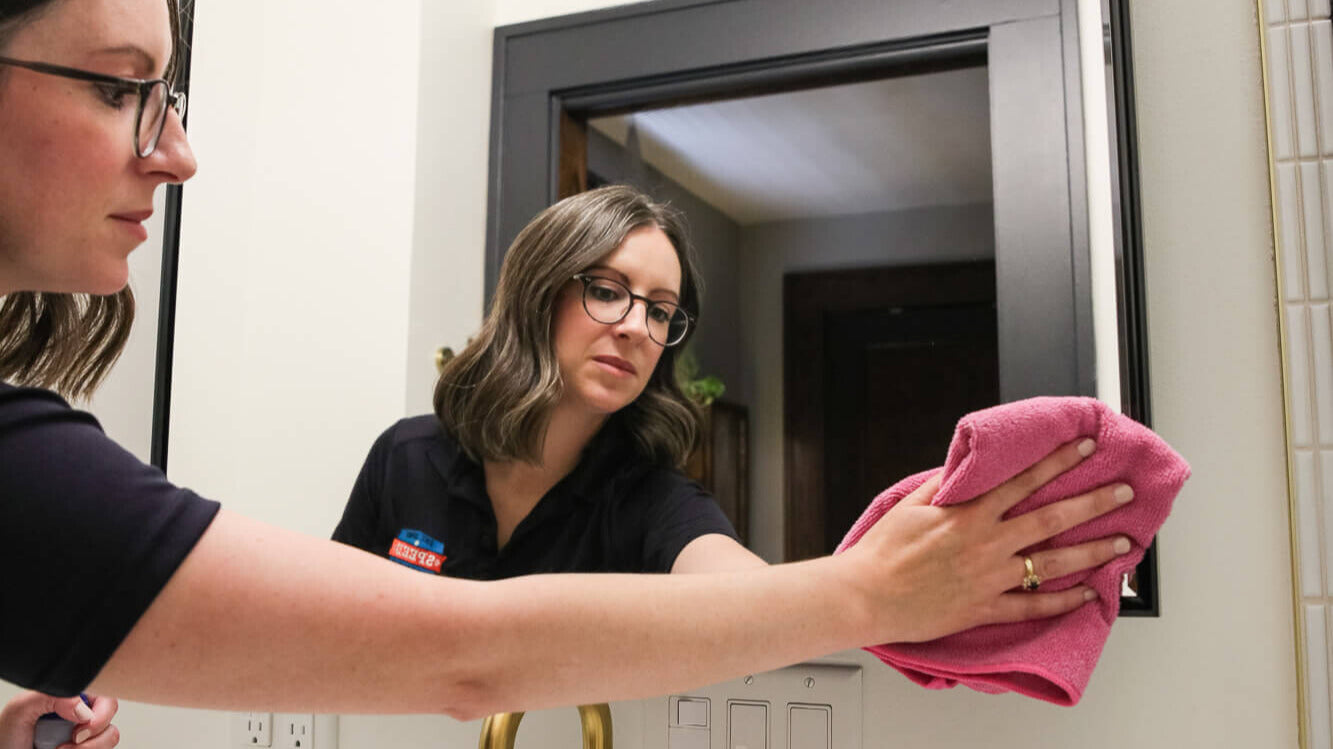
71, 709
1019, 607
104, 740
951, 566
1056, 518
103, 711
1054, 563
20, 714
1003, 497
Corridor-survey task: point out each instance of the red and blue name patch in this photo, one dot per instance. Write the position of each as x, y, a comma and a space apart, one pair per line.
417, 550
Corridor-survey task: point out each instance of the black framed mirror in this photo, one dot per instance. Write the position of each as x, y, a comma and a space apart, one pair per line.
560, 83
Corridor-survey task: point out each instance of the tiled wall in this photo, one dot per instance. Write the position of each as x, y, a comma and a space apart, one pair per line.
1300, 69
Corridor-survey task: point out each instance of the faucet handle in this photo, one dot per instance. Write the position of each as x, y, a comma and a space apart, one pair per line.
500, 730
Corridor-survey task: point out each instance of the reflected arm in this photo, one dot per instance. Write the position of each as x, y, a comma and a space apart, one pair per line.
715, 552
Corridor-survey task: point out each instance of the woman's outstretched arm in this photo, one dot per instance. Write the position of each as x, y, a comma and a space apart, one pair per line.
260, 617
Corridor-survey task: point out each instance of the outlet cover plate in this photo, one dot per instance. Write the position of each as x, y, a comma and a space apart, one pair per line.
252, 729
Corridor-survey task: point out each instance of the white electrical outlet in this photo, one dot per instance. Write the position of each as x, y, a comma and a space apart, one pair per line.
304, 731
252, 729
295, 731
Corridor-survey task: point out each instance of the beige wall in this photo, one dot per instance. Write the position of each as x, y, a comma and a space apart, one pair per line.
320, 268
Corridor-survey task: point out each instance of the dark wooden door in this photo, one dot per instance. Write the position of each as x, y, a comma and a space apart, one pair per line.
880, 363
896, 381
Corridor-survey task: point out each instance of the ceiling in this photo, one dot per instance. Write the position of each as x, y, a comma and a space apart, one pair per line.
886, 145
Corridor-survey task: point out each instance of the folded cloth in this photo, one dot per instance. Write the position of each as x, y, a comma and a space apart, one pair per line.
1050, 659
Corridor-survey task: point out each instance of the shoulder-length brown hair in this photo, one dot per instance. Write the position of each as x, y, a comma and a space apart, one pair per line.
496, 396
65, 342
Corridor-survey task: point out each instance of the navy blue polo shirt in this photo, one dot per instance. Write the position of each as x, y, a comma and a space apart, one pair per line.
88, 537
615, 512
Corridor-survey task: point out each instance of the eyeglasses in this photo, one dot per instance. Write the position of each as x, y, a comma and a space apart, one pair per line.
608, 302
150, 118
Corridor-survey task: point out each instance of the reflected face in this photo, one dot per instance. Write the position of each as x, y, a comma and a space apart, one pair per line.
605, 367
73, 195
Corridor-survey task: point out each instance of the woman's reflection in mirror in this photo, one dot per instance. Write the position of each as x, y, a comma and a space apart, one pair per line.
559, 430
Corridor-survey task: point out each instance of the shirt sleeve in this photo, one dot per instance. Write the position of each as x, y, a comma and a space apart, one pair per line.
683, 513
361, 517
88, 537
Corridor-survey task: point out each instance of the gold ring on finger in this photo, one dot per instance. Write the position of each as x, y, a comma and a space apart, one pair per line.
1031, 580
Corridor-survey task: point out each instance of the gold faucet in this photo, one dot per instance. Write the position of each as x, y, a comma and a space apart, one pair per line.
500, 730
442, 356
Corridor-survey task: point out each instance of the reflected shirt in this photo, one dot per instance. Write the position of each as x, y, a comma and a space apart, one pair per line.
615, 512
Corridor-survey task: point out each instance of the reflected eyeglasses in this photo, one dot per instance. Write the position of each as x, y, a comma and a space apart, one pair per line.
608, 302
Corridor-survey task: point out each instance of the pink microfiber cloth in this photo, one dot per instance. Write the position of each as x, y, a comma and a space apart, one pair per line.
1050, 659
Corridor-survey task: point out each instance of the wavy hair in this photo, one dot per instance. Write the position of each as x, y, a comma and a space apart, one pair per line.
497, 395
65, 342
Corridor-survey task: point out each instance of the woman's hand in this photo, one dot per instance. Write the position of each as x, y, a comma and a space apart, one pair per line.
931, 571
92, 730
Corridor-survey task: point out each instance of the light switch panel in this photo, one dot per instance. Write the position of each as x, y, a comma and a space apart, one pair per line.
806, 706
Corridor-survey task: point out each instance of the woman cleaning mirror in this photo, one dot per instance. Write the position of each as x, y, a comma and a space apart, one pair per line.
155, 576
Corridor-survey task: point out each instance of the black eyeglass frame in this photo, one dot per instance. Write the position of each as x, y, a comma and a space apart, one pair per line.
143, 87
587, 280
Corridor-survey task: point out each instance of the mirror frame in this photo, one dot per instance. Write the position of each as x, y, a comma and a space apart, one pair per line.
171, 239
1132, 293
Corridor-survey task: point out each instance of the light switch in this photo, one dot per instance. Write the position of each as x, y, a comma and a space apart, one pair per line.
692, 711
687, 738
688, 723
747, 725
808, 726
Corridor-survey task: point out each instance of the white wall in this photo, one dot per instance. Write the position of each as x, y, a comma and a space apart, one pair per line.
294, 271
453, 142
296, 252
520, 11
302, 333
